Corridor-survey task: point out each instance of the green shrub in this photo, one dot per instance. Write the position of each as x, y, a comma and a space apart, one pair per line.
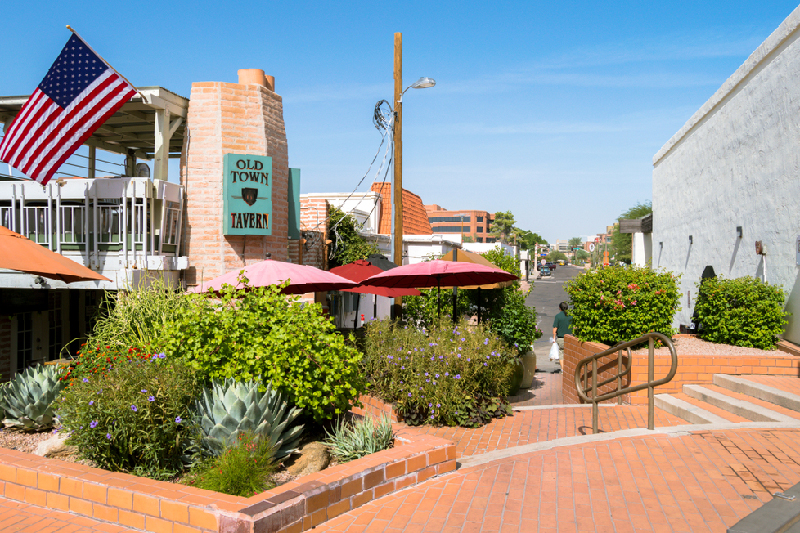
27, 400
350, 441
242, 469
245, 334
452, 375
136, 417
742, 312
616, 304
136, 318
503, 309
97, 360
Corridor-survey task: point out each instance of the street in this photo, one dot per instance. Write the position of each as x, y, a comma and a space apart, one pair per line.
547, 293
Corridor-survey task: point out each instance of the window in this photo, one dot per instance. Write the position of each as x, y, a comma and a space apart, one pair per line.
480, 239
54, 318
479, 229
479, 219
449, 219
446, 229
24, 340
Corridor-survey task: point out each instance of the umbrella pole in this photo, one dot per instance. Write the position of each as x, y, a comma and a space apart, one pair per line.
455, 298
357, 306
479, 305
438, 300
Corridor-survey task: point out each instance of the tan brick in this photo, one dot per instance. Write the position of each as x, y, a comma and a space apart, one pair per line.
395, 469
127, 518
157, 525
175, 512
351, 488
105, 513
14, 492
361, 499
120, 498
71, 487
146, 504
417, 462
338, 508
383, 490
26, 477
180, 528
57, 501
48, 482
35, 496
77, 505
318, 501
318, 517
94, 492
374, 478
202, 519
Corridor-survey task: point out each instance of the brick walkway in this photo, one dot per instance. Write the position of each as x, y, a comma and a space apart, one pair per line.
545, 390
23, 517
527, 427
704, 481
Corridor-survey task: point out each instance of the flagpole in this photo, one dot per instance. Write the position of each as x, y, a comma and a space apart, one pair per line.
104, 61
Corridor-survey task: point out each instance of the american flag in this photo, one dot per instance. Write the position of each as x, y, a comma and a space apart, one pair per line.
79, 93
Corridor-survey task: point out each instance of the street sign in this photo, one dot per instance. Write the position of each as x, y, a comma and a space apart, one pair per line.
543, 262
591, 247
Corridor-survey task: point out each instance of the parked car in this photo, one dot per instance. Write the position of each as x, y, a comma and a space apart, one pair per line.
551, 266
546, 271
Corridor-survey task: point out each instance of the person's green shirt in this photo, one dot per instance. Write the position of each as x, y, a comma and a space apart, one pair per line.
562, 324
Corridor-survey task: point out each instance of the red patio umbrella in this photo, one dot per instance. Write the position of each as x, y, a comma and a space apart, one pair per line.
439, 273
360, 270
20, 253
302, 278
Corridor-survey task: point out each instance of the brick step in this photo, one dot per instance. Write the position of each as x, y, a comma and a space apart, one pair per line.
691, 412
787, 384
755, 400
743, 408
699, 404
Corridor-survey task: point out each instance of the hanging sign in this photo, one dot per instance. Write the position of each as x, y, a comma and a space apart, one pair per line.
246, 194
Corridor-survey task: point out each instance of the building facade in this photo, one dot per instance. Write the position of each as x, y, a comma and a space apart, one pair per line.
470, 224
725, 187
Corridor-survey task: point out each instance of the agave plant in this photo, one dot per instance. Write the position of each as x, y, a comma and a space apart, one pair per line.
28, 399
229, 408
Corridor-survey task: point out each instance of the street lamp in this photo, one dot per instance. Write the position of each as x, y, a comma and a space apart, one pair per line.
397, 185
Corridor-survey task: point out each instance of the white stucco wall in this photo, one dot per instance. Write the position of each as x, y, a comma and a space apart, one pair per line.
736, 162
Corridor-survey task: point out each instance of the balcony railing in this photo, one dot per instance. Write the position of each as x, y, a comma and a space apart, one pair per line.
89, 220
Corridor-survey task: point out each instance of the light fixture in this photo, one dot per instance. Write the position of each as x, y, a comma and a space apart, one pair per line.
423, 83
691, 241
739, 232
660, 244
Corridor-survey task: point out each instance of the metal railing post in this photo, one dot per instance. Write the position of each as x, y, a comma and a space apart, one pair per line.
651, 389
594, 397
619, 376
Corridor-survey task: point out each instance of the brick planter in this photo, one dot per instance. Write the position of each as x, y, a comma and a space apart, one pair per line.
692, 368
375, 407
158, 506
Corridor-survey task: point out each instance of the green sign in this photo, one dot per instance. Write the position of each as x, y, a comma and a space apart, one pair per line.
246, 194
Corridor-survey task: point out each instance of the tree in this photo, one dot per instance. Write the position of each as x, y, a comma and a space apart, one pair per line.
528, 240
582, 255
347, 245
621, 242
556, 256
503, 226
575, 242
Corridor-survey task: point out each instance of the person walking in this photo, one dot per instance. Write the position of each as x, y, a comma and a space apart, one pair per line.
561, 326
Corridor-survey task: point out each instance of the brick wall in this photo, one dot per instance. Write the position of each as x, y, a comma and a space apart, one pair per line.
314, 225
375, 408
574, 351
231, 118
692, 368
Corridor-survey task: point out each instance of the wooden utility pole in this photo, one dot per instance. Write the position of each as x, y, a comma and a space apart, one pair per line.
397, 187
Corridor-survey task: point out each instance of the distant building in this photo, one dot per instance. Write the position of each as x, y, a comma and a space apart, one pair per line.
470, 224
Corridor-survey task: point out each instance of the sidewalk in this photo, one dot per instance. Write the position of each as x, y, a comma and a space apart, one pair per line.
703, 481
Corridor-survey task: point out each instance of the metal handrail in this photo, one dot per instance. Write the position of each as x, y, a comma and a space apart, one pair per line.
649, 385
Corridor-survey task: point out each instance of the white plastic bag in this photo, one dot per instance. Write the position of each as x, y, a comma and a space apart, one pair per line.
554, 356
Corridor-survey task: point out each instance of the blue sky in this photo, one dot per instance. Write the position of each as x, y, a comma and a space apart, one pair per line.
552, 110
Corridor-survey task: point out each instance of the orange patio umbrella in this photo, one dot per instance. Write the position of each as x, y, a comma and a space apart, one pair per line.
20, 253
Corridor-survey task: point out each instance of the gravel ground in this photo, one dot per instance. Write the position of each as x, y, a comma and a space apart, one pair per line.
697, 346
18, 440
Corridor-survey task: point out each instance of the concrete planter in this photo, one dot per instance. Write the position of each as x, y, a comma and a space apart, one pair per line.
528, 369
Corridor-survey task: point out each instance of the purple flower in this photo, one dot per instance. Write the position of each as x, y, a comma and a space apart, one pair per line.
162, 355
55, 430
438, 405
426, 374
134, 408
144, 391
436, 375
108, 436
431, 417
153, 398
93, 424
86, 380
178, 420
91, 402
486, 341
389, 357
446, 374
427, 381
430, 405
409, 394
463, 339
485, 364
458, 376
